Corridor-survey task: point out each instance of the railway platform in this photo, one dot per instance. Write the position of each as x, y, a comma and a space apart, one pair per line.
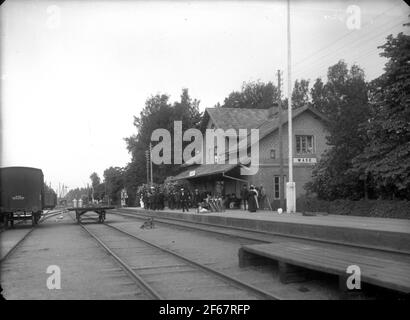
374, 233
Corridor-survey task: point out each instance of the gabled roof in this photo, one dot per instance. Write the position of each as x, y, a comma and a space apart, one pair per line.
269, 125
236, 118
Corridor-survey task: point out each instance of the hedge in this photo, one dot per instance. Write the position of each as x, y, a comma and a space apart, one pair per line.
367, 208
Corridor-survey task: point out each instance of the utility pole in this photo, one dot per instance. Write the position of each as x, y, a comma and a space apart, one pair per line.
150, 163
281, 178
290, 186
147, 154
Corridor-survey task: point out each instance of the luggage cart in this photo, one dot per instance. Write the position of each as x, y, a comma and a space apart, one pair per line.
79, 211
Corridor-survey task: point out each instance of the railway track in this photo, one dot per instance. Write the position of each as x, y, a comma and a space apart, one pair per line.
20, 241
165, 274
220, 229
237, 232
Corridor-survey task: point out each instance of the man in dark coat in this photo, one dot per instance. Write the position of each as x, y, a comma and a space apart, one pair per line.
244, 195
184, 198
197, 198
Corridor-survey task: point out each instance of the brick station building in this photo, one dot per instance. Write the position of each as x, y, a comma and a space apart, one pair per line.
309, 143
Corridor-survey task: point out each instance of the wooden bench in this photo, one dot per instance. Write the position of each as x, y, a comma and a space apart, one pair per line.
379, 268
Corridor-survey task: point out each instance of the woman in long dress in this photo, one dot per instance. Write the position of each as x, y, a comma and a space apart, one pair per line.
252, 199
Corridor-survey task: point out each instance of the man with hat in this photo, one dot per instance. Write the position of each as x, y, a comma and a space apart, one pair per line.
184, 198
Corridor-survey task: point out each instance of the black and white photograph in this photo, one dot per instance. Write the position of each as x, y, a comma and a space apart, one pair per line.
211, 154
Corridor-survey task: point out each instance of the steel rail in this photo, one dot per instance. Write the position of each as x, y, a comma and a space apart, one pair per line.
18, 243
197, 226
221, 275
131, 273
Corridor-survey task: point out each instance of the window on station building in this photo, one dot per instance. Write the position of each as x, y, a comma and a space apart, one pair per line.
276, 189
305, 144
272, 153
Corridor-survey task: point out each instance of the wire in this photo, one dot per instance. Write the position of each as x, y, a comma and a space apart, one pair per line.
346, 35
331, 55
363, 40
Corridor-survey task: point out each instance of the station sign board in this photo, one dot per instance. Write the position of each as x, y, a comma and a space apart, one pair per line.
305, 160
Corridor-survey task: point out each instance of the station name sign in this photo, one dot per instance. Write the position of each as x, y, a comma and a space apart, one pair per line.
18, 197
304, 160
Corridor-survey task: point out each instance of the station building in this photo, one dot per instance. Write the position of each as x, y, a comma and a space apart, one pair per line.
309, 143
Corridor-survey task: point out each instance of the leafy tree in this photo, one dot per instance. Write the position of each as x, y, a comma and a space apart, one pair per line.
256, 95
386, 157
95, 179
97, 186
114, 180
157, 113
300, 94
77, 193
343, 99
318, 94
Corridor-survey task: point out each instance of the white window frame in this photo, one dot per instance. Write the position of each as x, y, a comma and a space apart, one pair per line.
300, 137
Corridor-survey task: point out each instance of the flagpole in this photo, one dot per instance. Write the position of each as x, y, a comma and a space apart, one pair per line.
290, 186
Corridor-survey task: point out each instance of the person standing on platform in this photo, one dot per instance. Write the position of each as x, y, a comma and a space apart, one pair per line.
244, 196
252, 199
197, 198
184, 200
262, 198
178, 199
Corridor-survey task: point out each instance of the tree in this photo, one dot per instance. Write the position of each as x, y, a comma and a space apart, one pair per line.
318, 95
95, 179
77, 193
343, 99
300, 94
386, 157
256, 95
157, 113
114, 180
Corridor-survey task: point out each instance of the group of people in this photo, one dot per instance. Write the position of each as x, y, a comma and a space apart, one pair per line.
153, 199
251, 199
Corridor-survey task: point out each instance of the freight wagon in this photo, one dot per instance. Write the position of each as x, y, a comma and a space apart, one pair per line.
50, 200
22, 194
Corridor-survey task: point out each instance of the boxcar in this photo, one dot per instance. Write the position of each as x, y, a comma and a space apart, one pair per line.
50, 200
22, 193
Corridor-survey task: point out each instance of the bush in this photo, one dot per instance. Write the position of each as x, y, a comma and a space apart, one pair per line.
399, 209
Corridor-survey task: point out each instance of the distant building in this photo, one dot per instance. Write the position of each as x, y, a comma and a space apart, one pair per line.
309, 143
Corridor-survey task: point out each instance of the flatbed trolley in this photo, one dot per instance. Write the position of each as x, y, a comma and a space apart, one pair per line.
98, 210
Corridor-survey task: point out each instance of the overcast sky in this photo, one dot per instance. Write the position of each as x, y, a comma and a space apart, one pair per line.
74, 73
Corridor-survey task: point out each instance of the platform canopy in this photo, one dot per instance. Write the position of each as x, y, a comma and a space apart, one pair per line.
203, 170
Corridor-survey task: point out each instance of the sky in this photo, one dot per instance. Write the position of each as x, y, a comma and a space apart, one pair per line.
75, 73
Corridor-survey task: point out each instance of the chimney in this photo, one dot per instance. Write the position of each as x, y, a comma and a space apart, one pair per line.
273, 110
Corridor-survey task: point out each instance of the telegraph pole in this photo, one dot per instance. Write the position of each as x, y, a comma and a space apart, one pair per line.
147, 154
290, 186
150, 162
281, 179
